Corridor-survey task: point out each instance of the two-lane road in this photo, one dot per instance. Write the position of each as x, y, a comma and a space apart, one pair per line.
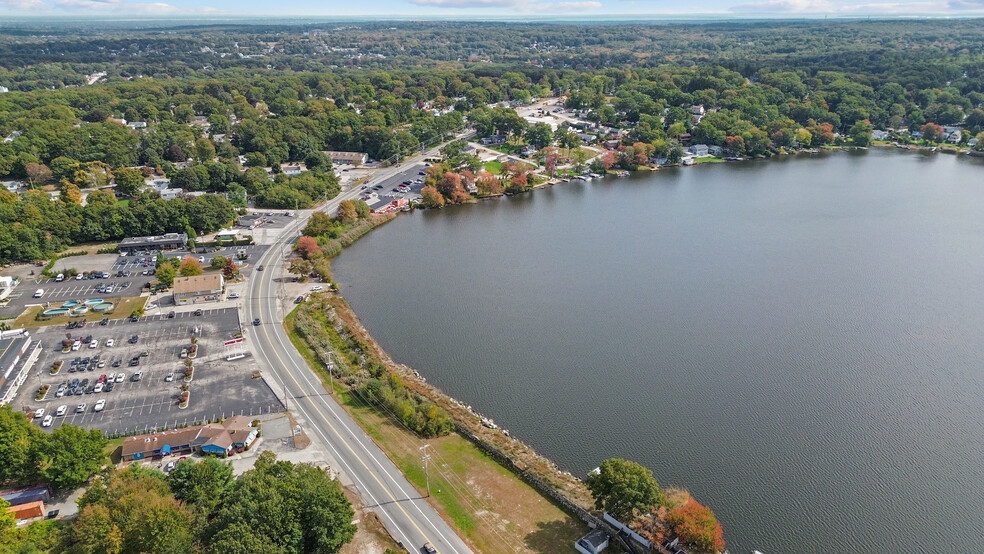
382, 486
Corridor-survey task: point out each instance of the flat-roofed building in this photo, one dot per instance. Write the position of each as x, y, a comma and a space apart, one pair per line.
197, 288
347, 158
167, 241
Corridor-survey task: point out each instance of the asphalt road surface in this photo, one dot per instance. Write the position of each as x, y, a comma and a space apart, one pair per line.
382, 486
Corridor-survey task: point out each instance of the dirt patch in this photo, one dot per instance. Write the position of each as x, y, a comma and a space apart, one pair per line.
299, 440
370, 537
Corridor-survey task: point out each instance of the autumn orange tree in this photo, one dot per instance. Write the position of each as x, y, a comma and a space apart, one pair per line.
307, 247
189, 266
431, 197
695, 524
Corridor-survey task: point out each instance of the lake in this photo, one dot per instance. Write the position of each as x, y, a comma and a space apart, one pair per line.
798, 342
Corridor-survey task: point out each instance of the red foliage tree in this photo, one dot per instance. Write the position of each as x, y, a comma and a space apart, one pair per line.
431, 197
487, 184
695, 524
607, 159
451, 188
932, 132
307, 247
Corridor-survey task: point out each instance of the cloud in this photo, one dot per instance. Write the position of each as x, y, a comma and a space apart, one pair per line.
556, 7
466, 3
848, 9
124, 7
22, 4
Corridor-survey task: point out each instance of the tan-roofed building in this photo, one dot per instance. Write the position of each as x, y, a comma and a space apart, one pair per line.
347, 158
197, 288
213, 438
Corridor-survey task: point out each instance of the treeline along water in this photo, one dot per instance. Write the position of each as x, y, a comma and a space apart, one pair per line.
797, 341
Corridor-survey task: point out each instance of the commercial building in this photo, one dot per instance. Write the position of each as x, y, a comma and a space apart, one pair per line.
197, 288
167, 241
15, 348
214, 438
347, 158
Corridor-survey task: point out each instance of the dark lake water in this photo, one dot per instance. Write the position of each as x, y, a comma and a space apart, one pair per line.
798, 342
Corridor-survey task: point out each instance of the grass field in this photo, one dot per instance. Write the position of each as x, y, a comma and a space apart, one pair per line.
494, 509
123, 308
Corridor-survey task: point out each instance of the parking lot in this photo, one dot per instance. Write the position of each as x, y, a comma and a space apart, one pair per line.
220, 388
138, 263
386, 190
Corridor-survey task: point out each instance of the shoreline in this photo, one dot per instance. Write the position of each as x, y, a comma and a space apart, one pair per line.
520, 457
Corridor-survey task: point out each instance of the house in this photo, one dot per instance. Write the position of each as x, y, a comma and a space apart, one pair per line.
167, 241
221, 439
715, 150
699, 150
137, 124
291, 170
587, 138
879, 135
347, 158
954, 137
972, 142
494, 139
30, 510
592, 543
158, 184
12, 136
528, 151
191, 289
697, 109
171, 194
12, 186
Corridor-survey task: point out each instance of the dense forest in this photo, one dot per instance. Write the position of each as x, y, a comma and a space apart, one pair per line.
221, 109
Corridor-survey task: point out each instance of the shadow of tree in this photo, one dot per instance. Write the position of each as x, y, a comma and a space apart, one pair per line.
556, 536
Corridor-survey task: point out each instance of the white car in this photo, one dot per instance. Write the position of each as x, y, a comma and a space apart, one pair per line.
169, 377
120, 377
111, 378
94, 343
151, 306
61, 410
76, 345
99, 406
78, 277
98, 387
80, 408
39, 413
233, 296
316, 288
47, 421
110, 343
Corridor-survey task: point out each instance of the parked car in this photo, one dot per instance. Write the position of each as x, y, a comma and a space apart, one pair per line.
234, 295
110, 343
80, 408
199, 311
316, 288
117, 363
137, 376
99, 405
120, 377
169, 377
62, 410
39, 413
97, 388
108, 387
133, 339
298, 300
170, 315
47, 421
105, 321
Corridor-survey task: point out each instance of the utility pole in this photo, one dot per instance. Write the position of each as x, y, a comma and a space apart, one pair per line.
426, 457
331, 368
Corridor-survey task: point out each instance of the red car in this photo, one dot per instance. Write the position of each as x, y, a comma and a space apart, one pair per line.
102, 378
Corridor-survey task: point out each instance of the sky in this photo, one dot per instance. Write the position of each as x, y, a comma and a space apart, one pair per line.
492, 9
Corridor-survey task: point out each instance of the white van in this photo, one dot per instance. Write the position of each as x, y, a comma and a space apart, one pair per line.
39, 293
60, 277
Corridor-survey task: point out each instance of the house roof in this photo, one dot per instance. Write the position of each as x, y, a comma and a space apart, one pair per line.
596, 539
197, 283
27, 511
